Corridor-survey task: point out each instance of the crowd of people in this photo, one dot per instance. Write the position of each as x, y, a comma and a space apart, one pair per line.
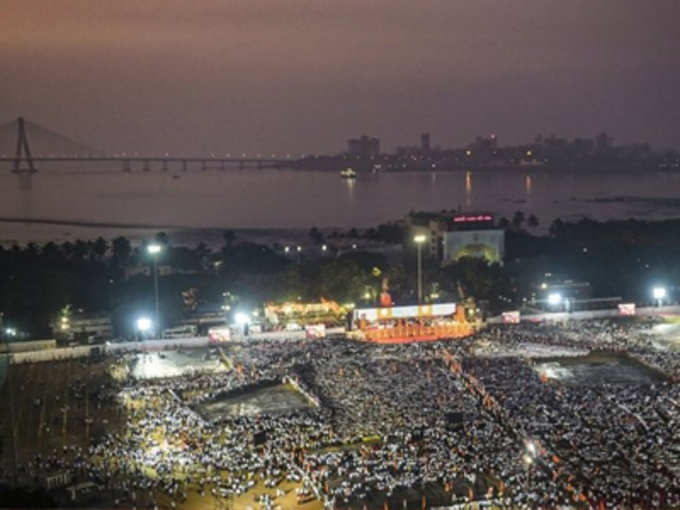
620, 441
403, 426
634, 337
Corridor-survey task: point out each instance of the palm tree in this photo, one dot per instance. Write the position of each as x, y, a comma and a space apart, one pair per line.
162, 238
121, 249
316, 235
229, 236
81, 249
99, 248
67, 249
532, 221
518, 220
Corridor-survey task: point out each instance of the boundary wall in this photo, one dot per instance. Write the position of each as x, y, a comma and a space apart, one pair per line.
648, 311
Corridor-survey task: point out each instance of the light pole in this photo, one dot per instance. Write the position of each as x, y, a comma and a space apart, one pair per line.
419, 240
10, 393
154, 250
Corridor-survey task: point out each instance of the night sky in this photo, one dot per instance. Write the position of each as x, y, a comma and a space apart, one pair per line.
287, 75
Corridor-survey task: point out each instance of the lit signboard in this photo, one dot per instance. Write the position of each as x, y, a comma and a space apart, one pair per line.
464, 218
510, 317
627, 308
405, 312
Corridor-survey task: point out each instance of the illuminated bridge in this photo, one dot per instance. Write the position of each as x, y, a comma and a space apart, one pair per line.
57, 148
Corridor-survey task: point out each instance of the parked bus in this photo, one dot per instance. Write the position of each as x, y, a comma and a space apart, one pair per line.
181, 332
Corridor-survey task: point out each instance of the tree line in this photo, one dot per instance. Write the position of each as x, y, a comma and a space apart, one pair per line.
617, 258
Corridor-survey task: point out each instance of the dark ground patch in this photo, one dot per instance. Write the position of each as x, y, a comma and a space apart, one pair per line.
598, 368
269, 399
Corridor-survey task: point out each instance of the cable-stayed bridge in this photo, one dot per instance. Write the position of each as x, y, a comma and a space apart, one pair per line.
25, 144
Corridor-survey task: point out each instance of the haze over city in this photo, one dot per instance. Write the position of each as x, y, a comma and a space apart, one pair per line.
339, 254
302, 76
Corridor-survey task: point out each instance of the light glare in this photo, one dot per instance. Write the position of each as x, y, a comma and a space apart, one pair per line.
144, 324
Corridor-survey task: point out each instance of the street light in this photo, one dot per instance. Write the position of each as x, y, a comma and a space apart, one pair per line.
154, 250
419, 240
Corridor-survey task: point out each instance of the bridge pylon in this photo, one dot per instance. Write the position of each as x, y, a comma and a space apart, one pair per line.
22, 146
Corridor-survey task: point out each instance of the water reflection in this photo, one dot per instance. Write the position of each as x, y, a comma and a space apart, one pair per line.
298, 198
468, 189
350, 188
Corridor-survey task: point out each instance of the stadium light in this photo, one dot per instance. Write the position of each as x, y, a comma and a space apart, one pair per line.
528, 460
659, 294
11, 332
554, 298
154, 250
144, 324
241, 318
531, 447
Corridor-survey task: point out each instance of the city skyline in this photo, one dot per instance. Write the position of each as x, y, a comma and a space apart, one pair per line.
302, 76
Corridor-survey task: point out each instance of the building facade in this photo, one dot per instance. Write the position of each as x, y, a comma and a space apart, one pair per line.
364, 146
454, 235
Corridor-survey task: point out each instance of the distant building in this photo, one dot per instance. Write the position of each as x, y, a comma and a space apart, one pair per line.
484, 144
82, 327
451, 236
603, 142
425, 143
364, 146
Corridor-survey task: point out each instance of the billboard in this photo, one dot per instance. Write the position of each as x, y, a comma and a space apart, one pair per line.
627, 308
510, 317
405, 312
315, 331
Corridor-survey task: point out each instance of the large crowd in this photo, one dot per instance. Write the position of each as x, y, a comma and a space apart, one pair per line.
404, 426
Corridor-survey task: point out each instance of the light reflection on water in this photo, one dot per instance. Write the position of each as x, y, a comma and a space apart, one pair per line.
288, 198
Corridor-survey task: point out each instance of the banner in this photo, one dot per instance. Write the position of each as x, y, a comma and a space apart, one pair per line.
627, 308
510, 317
405, 312
315, 331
